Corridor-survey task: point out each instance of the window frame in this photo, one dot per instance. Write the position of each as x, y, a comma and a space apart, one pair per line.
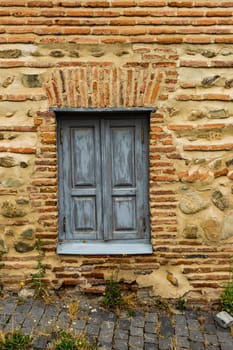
99, 247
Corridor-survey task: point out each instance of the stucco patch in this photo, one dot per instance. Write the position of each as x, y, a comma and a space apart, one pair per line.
161, 286
228, 226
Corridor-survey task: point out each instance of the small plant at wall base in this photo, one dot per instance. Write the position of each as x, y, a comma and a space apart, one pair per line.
67, 341
37, 278
15, 341
226, 298
112, 294
181, 304
1, 264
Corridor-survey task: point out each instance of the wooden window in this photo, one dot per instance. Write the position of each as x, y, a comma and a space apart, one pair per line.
103, 183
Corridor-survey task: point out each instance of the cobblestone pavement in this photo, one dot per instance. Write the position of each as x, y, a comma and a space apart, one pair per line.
149, 328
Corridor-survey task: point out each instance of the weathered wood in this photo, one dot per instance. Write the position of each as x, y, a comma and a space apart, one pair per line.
103, 181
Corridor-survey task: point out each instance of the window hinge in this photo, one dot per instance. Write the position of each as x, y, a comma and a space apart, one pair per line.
142, 135
61, 135
64, 224
144, 224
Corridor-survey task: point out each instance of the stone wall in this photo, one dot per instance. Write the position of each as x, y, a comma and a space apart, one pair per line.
186, 46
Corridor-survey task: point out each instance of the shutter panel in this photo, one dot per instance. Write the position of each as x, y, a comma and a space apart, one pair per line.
82, 179
123, 180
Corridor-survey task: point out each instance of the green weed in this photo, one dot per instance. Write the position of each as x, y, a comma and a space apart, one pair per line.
37, 278
67, 341
15, 341
1, 264
130, 313
181, 304
226, 298
112, 294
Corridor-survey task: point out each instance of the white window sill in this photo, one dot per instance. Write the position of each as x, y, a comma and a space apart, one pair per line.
104, 248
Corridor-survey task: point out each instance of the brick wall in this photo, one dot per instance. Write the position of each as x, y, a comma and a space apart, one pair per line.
185, 47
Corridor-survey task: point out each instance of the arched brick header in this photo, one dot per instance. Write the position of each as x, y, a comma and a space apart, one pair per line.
103, 85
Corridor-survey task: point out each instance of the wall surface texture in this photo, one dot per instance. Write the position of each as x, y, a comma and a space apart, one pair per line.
173, 55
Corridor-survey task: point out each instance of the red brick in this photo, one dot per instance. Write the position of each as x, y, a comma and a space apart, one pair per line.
48, 136
10, 3
39, 64
221, 147
52, 12
219, 13
123, 3
113, 40
25, 12
146, 39
78, 30
122, 21
69, 3
221, 63
226, 4
96, 3
134, 30
217, 30
3, 40
221, 97
217, 97
222, 172
162, 149
25, 97
48, 128
20, 30
167, 142
191, 13
5, 12
46, 114
224, 21
18, 128
25, 39
105, 31
180, 3
169, 39
180, 127
188, 85
45, 162
213, 3
212, 126
204, 21
37, 3
23, 150
12, 64
224, 39
136, 12
152, 3
4, 192
198, 39
105, 13
193, 63
79, 13
164, 64
90, 40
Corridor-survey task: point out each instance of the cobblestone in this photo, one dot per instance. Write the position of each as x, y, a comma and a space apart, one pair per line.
147, 329
150, 327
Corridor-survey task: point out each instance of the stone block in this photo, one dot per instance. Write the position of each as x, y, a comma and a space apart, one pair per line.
224, 319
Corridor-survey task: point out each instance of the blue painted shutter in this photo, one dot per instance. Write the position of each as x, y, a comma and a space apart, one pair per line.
103, 194
123, 183
82, 180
